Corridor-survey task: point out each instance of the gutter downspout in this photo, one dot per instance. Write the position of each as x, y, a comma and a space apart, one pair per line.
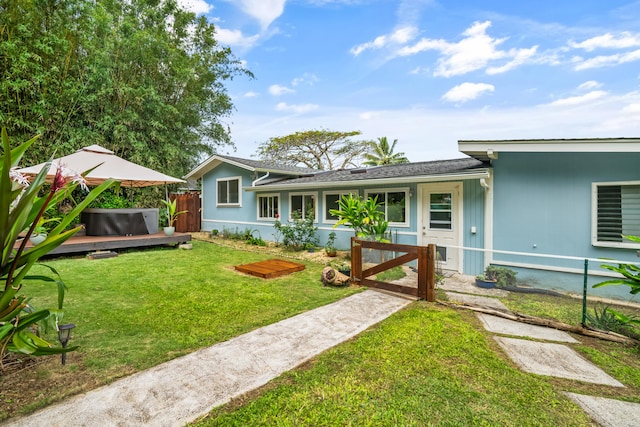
256, 181
487, 185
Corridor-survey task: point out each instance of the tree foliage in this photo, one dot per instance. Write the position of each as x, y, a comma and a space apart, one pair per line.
315, 149
382, 153
143, 78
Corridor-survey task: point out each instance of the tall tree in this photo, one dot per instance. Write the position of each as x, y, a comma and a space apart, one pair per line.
143, 78
315, 149
382, 153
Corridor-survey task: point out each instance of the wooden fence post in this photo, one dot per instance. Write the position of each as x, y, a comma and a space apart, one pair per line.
431, 273
422, 272
356, 260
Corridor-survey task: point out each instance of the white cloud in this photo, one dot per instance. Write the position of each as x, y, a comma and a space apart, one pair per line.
520, 56
632, 108
420, 70
398, 37
608, 41
307, 78
264, 11
431, 134
467, 91
234, 38
251, 94
591, 84
608, 60
299, 108
473, 52
196, 6
277, 90
578, 100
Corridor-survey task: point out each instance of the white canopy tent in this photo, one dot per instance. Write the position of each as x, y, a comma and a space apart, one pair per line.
107, 165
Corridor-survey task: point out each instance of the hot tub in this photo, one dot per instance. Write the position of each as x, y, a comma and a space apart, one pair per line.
120, 222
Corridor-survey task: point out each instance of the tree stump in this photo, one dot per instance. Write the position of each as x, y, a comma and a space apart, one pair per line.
333, 277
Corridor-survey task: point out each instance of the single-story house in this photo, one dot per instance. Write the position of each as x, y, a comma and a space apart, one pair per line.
537, 206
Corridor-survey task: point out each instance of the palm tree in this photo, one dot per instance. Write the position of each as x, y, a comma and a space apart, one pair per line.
382, 154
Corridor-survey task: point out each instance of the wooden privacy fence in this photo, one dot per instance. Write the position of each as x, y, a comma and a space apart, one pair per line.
425, 255
190, 202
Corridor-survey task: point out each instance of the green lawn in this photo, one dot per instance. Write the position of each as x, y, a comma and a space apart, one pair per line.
143, 308
426, 365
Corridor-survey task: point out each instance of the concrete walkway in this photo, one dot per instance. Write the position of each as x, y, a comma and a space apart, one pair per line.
183, 389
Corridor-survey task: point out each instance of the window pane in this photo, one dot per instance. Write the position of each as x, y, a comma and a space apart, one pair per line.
630, 210
268, 207
309, 206
222, 192
440, 212
296, 206
379, 198
441, 201
234, 193
396, 207
264, 207
331, 202
609, 228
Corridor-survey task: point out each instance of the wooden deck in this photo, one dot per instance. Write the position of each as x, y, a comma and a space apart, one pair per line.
86, 244
270, 268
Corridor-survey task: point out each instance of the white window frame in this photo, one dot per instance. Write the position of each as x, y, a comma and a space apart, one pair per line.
594, 216
340, 193
407, 203
314, 194
269, 195
227, 179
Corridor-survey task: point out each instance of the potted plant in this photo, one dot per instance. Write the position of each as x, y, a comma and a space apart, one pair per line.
504, 277
343, 266
40, 232
330, 248
484, 281
172, 215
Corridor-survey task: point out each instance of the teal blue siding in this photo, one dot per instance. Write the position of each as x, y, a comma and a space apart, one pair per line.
245, 217
542, 205
216, 217
473, 210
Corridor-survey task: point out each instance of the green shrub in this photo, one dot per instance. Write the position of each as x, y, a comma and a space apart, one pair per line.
299, 233
502, 275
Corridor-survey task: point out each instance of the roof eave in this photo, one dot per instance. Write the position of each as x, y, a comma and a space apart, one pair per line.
490, 149
210, 164
475, 174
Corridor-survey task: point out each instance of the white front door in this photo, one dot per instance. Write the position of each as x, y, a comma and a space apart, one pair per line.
442, 222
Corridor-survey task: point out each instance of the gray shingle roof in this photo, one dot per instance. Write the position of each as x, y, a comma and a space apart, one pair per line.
266, 165
437, 167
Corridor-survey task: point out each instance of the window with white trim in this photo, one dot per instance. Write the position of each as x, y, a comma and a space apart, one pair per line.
269, 206
616, 213
331, 199
229, 191
394, 204
440, 211
304, 204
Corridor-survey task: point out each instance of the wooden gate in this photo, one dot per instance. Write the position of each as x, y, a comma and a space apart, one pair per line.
426, 267
190, 202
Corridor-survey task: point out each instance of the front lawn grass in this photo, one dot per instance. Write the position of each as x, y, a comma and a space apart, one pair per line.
424, 366
143, 308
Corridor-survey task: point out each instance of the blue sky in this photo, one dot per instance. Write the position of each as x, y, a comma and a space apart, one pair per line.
429, 73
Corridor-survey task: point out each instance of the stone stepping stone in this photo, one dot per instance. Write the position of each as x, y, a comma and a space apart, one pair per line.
493, 303
503, 326
555, 360
608, 412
